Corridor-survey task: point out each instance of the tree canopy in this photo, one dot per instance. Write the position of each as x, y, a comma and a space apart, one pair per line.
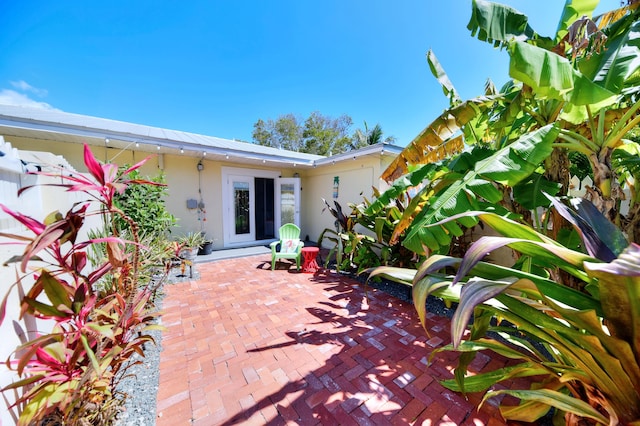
317, 134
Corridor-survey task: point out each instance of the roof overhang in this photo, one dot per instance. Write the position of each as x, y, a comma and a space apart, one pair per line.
66, 127
378, 150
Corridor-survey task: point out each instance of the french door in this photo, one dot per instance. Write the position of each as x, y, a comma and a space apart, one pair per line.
256, 203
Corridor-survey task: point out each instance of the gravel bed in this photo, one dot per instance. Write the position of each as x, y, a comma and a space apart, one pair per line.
141, 386
403, 292
141, 383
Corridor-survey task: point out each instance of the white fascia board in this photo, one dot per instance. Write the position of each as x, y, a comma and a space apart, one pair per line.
254, 152
377, 149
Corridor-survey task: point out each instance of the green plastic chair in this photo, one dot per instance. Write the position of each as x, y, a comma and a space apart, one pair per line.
290, 245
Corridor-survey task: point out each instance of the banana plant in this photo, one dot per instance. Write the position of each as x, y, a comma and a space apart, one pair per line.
586, 77
583, 81
471, 190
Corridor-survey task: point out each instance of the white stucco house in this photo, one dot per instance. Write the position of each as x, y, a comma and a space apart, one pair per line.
238, 193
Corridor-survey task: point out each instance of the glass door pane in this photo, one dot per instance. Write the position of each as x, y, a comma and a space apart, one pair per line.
289, 201
241, 202
240, 220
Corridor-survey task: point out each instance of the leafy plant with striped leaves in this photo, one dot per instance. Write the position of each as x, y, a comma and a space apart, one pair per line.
69, 375
583, 348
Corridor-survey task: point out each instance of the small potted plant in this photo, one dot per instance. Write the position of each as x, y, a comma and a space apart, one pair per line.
207, 245
190, 244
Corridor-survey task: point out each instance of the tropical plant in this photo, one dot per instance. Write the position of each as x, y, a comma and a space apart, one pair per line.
582, 82
343, 231
356, 251
381, 225
145, 205
573, 98
475, 180
353, 251
366, 137
581, 348
70, 374
156, 258
191, 240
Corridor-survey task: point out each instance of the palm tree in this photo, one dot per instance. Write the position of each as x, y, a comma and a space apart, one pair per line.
369, 137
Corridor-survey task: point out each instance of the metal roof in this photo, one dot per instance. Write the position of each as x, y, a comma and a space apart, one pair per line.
62, 126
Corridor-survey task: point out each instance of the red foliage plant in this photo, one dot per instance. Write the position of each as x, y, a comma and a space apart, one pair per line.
71, 373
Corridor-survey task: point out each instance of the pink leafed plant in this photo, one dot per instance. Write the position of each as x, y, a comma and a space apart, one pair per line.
70, 374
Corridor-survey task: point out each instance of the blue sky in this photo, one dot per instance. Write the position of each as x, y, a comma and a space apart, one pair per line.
215, 67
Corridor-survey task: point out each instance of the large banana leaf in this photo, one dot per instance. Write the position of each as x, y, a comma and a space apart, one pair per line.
400, 187
574, 10
427, 181
616, 67
627, 158
530, 192
553, 76
438, 140
438, 72
507, 166
496, 23
612, 16
499, 24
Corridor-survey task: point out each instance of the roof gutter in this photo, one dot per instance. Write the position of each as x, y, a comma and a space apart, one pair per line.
101, 136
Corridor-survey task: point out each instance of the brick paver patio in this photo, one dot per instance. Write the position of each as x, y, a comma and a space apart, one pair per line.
247, 345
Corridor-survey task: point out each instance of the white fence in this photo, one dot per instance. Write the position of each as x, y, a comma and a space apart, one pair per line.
578, 190
36, 202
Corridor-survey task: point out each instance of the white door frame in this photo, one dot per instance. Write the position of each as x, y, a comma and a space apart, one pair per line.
228, 214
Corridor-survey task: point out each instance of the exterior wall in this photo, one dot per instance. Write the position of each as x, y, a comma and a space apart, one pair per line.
182, 176
185, 182
357, 177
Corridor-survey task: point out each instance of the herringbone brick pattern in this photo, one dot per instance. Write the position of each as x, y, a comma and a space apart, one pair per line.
247, 345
